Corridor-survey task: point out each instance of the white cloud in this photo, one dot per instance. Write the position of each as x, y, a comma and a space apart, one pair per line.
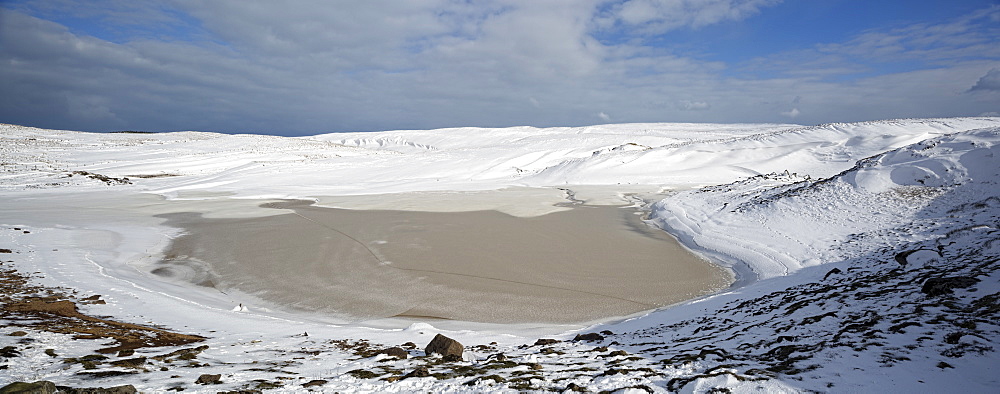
658, 16
604, 117
793, 113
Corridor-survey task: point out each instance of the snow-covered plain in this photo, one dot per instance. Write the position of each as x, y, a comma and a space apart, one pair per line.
834, 231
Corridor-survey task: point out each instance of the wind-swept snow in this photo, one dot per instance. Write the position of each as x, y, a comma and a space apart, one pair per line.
868, 252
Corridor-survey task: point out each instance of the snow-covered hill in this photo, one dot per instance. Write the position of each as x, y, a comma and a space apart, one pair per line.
867, 253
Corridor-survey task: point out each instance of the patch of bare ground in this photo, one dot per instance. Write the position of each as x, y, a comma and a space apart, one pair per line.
28, 305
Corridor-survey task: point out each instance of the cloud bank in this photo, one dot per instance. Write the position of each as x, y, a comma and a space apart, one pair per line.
311, 67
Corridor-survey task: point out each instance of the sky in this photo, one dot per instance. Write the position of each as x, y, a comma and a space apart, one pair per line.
310, 67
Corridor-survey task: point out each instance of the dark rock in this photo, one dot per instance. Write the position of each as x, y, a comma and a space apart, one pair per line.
39, 387
18, 334
545, 341
126, 352
617, 353
106, 374
6, 251
208, 379
9, 352
614, 371
590, 336
183, 354
499, 357
941, 286
451, 358
51, 353
396, 352
444, 346
130, 362
607, 332
409, 345
782, 352
575, 387
834, 271
363, 374
419, 372
494, 378
311, 383
126, 389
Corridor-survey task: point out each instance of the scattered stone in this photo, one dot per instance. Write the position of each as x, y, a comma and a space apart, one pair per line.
834, 271
545, 341
9, 352
499, 357
941, 286
126, 352
409, 345
106, 374
452, 358
953, 338
18, 334
363, 374
51, 352
607, 332
183, 354
574, 387
6, 251
396, 352
39, 387
535, 366
944, 365
316, 382
444, 346
591, 336
617, 353
209, 379
137, 362
419, 372
126, 389
494, 378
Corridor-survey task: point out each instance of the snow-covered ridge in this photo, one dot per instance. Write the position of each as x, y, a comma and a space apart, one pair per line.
676, 155
765, 232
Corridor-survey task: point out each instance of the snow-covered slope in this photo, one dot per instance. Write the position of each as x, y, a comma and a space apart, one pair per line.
868, 253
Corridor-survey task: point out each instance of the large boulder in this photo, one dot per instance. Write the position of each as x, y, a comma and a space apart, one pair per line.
39, 387
444, 346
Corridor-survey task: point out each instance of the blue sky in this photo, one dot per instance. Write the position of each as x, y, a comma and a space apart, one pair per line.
305, 67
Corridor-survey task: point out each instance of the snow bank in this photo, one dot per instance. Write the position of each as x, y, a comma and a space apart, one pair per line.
798, 222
